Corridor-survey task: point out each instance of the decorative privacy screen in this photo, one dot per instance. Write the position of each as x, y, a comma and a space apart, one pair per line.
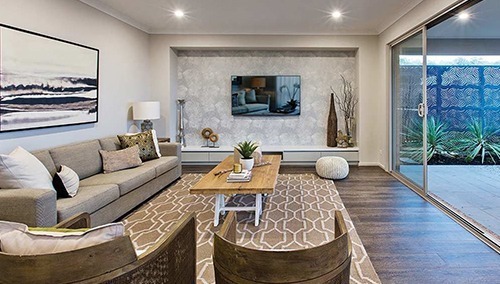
459, 94
456, 95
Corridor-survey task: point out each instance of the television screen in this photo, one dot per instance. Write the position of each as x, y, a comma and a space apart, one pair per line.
265, 95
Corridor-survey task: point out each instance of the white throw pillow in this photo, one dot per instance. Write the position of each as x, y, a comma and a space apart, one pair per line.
15, 238
155, 141
20, 169
66, 182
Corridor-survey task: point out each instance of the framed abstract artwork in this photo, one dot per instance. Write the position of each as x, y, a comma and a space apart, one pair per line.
46, 82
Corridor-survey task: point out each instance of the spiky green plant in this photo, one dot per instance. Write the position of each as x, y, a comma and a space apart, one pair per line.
437, 137
481, 141
246, 149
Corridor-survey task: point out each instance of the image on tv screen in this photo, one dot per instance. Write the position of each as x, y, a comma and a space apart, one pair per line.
265, 95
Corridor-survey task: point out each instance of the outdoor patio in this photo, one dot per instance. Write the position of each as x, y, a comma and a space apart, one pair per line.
472, 190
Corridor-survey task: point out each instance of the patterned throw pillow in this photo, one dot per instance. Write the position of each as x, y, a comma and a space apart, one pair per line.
113, 161
144, 141
234, 100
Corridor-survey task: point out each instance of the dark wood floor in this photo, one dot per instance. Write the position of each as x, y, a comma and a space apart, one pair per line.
408, 239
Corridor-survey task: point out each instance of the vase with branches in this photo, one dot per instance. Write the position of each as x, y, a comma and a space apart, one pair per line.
292, 102
347, 102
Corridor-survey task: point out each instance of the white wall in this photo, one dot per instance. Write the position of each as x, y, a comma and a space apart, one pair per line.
123, 70
160, 46
416, 17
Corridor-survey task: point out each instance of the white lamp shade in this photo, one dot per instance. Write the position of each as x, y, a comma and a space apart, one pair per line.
146, 110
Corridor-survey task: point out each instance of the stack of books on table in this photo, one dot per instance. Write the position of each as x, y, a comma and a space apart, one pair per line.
244, 176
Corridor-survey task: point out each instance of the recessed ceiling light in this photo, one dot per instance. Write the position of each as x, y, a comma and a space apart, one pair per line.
179, 13
463, 16
336, 14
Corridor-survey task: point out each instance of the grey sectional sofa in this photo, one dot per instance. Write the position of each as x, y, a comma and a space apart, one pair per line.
106, 197
262, 103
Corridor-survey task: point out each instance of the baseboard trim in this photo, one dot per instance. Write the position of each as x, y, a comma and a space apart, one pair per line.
372, 164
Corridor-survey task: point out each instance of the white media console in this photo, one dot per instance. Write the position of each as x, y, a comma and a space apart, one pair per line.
290, 155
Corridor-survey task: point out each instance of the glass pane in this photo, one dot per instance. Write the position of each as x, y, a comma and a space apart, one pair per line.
463, 96
407, 72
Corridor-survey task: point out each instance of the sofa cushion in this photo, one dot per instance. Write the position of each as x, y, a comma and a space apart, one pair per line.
83, 158
110, 144
46, 159
127, 180
89, 199
256, 107
241, 98
162, 165
250, 97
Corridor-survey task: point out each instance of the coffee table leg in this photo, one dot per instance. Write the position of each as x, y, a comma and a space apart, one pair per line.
261, 204
258, 207
222, 204
217, 209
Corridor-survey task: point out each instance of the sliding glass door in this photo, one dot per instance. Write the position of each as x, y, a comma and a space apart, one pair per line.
408, 113
446, 113
464, 114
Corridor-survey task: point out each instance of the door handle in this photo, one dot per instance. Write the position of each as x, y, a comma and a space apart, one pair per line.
421, 109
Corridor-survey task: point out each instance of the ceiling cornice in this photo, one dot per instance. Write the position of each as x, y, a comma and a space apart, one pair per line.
115, 14
389, 21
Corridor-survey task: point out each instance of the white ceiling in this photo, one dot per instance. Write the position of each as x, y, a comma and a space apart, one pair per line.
484, 23
297, 17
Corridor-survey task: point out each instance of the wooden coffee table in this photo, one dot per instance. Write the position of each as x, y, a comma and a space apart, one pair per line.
263, 181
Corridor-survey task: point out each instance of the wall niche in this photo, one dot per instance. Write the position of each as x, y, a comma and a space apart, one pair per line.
204, 81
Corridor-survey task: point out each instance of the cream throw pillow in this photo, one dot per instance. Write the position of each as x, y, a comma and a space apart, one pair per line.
15, 238
20, 169
113, 161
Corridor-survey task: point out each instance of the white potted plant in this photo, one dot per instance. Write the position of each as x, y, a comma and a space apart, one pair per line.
246, 149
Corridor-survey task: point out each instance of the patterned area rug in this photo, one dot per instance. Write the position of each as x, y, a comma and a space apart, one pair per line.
299, 214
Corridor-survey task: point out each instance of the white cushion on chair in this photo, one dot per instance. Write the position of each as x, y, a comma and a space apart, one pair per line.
16, 238
332, 167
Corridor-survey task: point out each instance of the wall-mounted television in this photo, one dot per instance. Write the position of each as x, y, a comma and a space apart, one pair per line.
265, 95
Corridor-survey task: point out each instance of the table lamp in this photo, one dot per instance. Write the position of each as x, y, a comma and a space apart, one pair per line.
146, 111
258, 83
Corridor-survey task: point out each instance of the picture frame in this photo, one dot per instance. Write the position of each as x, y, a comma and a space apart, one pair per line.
46, 81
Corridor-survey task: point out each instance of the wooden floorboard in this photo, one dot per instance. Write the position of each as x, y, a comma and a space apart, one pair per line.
408, 239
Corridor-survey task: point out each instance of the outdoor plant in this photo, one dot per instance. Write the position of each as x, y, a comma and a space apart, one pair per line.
437, 138
481, 141
246, 148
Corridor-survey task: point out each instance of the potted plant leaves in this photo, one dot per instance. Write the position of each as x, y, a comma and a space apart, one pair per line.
246, 149
292, 103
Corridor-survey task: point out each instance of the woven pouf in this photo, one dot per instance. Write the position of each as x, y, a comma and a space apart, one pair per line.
332, 167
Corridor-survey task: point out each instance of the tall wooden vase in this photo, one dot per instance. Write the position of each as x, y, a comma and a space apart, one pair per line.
331, 133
